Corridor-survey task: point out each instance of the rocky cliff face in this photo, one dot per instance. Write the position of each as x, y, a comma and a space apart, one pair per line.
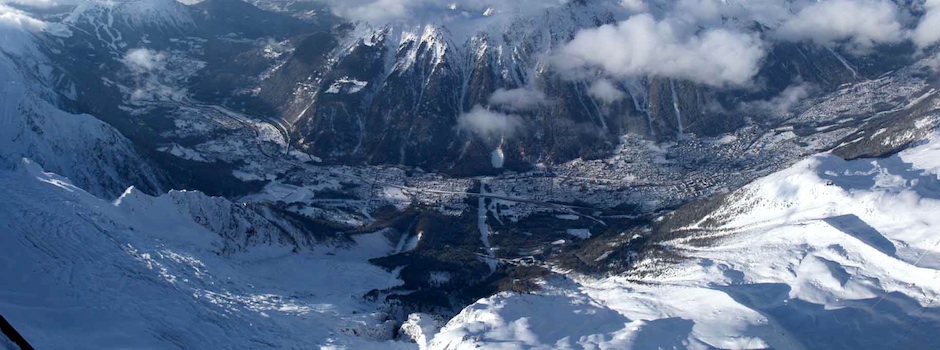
396, 94
416, 94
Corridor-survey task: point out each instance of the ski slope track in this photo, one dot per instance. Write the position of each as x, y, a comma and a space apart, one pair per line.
90, 152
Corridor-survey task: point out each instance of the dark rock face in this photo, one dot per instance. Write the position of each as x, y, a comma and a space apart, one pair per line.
415, 83
354, 94
214, 40
394, 95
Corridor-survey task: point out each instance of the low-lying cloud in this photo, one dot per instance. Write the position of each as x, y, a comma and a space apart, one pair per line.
712, 42
634, 5
489, 124
40, 3
933, 62
152, 77
645, 46
605, 91
783, 102
143, 60
864, 23
517, 100
927, 32
378, 11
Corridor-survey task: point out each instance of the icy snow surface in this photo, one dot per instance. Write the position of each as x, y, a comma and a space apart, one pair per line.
827, 254
80, 272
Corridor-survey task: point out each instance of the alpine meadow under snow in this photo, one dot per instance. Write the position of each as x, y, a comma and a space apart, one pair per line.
423, 174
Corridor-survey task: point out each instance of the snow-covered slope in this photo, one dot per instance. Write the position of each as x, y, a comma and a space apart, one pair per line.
93, 154
827, 254
144, 272
105, 16
242, 226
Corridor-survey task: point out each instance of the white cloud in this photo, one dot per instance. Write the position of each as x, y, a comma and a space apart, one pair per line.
153, 79
373, 11
142, 60
634, 5
862, 22
928, 30
379, 11
643, 46
782, 103
698, 10
488, 124
605, 91
15, 30
12, 18
40, 3
521, 99
933, 62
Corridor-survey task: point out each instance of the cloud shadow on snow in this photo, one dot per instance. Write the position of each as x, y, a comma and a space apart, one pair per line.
862, 175
852, 225
897, 322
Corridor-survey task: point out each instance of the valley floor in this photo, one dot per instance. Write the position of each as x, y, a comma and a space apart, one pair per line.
825, 254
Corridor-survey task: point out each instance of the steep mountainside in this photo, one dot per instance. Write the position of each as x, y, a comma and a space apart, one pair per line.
177, 271
35, 125
470, 174
826, 254
395, 94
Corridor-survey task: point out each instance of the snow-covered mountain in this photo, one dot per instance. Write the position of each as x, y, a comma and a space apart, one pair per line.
177, 271
34, 125
470, 174
828, 254
417, 83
